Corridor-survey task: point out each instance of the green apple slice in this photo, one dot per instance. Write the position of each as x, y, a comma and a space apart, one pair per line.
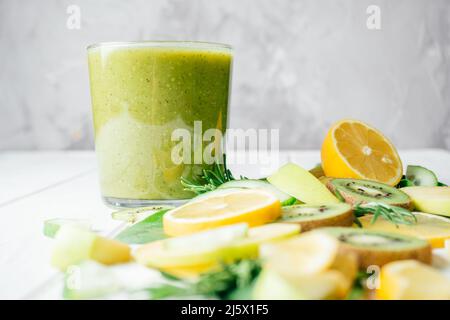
52, 226
301, 184
74, 245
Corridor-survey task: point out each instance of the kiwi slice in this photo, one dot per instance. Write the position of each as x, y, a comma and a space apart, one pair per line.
355, 191
379, 247
315, 216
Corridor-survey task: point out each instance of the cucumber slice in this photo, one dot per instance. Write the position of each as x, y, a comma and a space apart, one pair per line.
284, 198
52, 226
421, 176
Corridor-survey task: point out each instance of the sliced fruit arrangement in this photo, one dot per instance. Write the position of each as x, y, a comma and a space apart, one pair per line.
74, 245
284, 198
353, 149
202, 251
240, 238
378, 247
430, 199
308, 266
412, 280
355, 191
434, 229
302, 185
255, 207
315, 216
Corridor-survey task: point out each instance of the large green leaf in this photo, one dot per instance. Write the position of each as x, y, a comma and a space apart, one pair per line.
147, 230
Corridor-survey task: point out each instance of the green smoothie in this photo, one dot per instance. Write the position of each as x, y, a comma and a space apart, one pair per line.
141, 93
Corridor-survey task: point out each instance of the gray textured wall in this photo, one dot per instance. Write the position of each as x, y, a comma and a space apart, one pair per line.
299, 65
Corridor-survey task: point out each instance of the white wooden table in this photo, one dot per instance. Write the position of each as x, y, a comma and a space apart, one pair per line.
35, 186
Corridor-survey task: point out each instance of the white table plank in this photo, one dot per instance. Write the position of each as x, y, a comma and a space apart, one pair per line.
24, 173
25, 252
64, 184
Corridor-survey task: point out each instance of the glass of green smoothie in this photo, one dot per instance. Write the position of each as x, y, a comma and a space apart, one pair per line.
141, 93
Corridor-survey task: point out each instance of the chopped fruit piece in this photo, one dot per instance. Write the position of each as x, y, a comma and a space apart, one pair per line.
354, 191
74, 245
312, 264
434, 229
258, 184
213, 238
377, 247
188, 255
302, 185
420, 176
317, 171
430, 199
271, 285
51, 226
353, 149
412, 280
311, 217
254, 207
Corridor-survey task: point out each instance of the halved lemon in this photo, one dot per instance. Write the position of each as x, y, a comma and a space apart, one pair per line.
410, 279
434, 229
353, 149
254, 207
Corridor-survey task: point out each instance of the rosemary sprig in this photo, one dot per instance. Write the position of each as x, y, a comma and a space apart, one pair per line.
210, 178
393, 214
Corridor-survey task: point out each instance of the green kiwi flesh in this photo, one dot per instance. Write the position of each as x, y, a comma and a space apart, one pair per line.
378, 247
355, 191
315, 216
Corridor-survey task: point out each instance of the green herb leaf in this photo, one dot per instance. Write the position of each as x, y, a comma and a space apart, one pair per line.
210, 179
149, 229
232, 280
393, 214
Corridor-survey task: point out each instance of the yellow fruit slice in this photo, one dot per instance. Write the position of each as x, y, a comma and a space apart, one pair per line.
429, 227
306, 254
270, 285
254, 207
312, 264
430, 199
187, 255
412, 280
353, 149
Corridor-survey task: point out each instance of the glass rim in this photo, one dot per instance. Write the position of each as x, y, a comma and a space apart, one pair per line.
163, 44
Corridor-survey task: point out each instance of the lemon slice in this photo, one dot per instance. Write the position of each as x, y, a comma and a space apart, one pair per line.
254, 207
429, 227
186, 254
353, 149
409, 279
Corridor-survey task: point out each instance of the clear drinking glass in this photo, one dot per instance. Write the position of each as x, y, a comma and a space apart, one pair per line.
142, 92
